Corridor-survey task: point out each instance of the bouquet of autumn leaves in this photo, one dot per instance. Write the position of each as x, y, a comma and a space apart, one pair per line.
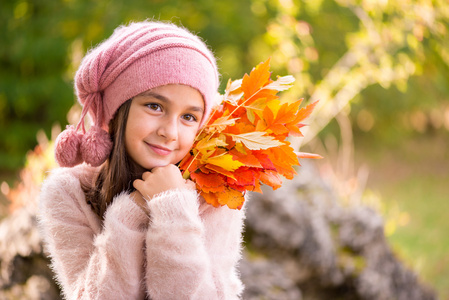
243, 144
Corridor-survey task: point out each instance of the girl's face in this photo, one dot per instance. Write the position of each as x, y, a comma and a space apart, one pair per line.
162, 125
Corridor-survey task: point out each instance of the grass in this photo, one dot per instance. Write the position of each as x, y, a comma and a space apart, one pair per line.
423, 242
412, 179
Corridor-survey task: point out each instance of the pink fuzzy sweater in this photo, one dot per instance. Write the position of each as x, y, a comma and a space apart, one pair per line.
187, 249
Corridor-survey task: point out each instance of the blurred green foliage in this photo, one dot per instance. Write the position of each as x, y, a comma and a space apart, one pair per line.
388, 59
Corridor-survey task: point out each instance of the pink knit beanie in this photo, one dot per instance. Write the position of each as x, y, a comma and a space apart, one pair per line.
136, 58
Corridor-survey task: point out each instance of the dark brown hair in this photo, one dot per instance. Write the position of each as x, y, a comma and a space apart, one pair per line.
118, 172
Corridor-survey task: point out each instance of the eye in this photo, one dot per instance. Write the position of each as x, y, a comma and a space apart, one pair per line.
189, 117
154, 106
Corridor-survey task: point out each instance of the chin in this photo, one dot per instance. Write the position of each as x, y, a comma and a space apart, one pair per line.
155, 164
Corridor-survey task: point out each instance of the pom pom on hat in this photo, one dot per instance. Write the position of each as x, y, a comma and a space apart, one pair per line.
96, 145
67, 147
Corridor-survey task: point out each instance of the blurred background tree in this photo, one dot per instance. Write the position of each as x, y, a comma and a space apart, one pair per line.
379, 68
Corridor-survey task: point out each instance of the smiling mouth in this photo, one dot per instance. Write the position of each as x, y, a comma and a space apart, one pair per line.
160, 150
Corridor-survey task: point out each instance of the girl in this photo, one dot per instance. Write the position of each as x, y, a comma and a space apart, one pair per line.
118, 220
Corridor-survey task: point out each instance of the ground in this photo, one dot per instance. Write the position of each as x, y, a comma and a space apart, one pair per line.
412, 181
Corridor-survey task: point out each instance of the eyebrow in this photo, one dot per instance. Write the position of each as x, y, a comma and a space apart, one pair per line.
167, 100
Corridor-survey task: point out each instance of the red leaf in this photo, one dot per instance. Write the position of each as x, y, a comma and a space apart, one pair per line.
271, 178
212, 182
247, 159
243, 177
264, 159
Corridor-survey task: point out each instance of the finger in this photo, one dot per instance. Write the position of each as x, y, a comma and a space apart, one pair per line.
156, 170
138, 184
173, 167
174, 170
146, 175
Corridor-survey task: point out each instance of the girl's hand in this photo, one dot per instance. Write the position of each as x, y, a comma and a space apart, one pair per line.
161, 179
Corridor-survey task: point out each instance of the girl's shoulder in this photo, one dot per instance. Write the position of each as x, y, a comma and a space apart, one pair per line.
62, 199
68, 179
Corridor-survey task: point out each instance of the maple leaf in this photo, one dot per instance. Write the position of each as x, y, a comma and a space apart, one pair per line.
232, 198
258, 77
233, 92
212, 143
264, 160
281, 84
209, 182
243, 144
245, 158
220, 170
308, 155
271, 178
255, 108
211, 198
243, 177
225, 161
221, 123
256, 140
305, 112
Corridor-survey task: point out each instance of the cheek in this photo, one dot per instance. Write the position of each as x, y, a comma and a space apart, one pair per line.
129, 136
187, 138
134, 132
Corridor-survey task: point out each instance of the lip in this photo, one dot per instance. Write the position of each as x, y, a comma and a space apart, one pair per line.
160, 150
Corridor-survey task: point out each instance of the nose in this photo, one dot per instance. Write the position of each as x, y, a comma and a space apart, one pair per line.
168, 128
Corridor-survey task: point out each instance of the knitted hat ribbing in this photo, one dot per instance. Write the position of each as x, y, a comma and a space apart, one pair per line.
136, 58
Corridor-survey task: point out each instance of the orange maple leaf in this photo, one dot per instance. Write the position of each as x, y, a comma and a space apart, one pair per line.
259, 77
243, 177
243, 144
209, 182
271, 178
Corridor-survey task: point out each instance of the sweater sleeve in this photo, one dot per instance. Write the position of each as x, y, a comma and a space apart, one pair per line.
223, 240
91, 262
181, 263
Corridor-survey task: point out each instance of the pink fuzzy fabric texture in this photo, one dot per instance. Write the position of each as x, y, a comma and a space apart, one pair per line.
142, 56
95, 146
67, 147
188, 249
136, 58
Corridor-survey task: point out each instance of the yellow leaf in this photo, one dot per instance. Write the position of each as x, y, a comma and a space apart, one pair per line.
250, 115
255, 107
239, 147
256, 140
259, 104
205, 144
225, 161
274, 106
